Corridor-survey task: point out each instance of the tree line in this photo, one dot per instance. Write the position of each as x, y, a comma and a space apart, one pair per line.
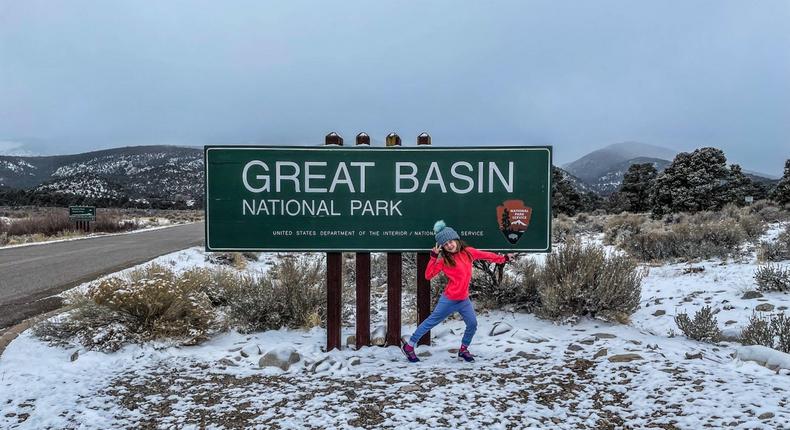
693, 182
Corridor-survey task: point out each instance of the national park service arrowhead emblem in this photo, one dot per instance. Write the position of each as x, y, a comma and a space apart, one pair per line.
513, 218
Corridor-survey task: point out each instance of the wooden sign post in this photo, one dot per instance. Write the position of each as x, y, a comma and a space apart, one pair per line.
334, 280
394, 278
363, 282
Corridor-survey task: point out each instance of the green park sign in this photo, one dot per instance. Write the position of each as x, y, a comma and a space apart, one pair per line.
82, 213
376, 199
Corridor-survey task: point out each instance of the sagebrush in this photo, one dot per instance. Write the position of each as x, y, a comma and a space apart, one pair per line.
704, 327
579, 280
772, 331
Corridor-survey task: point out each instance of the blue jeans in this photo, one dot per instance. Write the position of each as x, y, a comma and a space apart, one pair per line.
443, 309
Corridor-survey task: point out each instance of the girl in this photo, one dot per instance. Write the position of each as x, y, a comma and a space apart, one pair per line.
455, 261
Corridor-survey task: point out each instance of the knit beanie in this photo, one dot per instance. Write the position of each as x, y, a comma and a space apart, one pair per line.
444, 234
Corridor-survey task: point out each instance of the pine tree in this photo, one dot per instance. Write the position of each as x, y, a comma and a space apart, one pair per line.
781, 194
637, 185
694, 182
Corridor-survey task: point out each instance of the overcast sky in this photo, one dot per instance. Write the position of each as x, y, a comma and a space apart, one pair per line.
82, 75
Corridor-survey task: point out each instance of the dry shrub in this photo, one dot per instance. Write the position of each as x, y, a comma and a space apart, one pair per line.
163, 305
704, 327
291, 294
150, 303
777, 250
768, 211
620, 228
582, 280
491, 285
772, 331
49, 225
562, 227
772, 278
687, 240
94, 326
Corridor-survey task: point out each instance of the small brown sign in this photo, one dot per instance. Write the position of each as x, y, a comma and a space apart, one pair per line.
513, 217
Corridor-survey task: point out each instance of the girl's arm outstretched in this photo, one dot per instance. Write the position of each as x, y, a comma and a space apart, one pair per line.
485, 255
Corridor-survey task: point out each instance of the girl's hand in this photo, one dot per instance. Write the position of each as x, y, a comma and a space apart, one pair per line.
436, 249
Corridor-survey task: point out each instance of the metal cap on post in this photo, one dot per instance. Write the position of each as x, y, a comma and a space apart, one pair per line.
423, 139
333, 139
393, 139
363, 139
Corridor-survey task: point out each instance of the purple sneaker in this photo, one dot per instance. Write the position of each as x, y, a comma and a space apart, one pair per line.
408, 351
465, 354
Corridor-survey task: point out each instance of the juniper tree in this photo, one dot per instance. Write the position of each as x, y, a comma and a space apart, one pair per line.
637, 184
781, 194
565, 198
694, 182
739, 186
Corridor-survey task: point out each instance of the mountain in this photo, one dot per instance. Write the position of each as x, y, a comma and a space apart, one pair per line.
141, 173
610, 180
597, 164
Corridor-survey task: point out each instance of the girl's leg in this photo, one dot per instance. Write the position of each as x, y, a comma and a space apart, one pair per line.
467, 311
443, 309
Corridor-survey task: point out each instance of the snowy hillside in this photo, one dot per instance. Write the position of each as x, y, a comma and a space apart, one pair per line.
146, 172
529, 372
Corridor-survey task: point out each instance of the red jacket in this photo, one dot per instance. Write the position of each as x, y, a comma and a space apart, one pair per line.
458, 276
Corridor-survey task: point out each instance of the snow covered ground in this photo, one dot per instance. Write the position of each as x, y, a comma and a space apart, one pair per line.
530, 373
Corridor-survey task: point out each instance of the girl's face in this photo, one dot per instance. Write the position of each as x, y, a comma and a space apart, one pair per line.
451, 246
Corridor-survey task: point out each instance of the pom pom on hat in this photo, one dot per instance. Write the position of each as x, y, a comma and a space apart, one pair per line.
439, 226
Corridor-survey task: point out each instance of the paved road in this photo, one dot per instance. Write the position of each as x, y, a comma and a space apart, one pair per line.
29, 275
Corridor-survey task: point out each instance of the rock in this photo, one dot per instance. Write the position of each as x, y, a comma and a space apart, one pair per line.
604, 335
508, 349
751, 295
659, 312
453, 350
588, 341
764, 307
528, 356
323, 364
697, 356
781, 308
250, 350
355, 361
765, 416
282, 357
378, 336
227, 362
424, 354
625, 358
500, 327
351, 340
527, 336
574, 347
730, 322
408, 389
372, 378
635, 342
601, 353
75, 356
